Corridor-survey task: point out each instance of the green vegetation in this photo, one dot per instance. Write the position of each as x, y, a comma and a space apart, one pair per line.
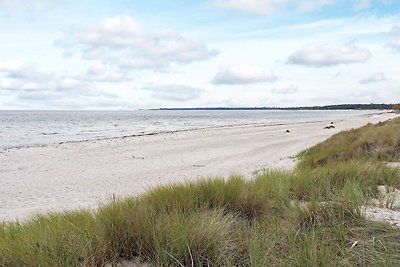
379, 142
311, 216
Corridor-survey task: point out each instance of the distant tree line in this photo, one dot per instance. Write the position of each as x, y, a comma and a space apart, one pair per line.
329, 107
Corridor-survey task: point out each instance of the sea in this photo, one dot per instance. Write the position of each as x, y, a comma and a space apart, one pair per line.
33, 128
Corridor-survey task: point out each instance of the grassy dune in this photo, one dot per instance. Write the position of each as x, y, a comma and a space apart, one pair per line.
311, 216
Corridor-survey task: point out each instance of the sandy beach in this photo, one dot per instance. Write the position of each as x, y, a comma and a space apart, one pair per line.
82, 174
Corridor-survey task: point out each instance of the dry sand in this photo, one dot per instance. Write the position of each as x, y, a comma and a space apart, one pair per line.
81, 174
387, 207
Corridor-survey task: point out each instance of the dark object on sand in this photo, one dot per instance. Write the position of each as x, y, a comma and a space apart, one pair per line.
331, 122
287, 131
330, 127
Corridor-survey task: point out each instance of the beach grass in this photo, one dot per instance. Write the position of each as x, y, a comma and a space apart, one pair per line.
378, 142
311, 216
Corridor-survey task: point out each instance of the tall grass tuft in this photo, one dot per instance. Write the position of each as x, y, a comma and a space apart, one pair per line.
66, 239
327, 182
234, 195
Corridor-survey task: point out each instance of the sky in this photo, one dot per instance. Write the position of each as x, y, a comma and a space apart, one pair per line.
132, 54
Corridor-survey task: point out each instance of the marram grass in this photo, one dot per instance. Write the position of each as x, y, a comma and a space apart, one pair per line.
311, 216
378, 142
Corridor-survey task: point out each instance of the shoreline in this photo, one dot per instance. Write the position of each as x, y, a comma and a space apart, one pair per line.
82, 174
255, 124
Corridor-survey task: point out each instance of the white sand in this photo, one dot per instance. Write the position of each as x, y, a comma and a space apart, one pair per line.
387, 207
74, 175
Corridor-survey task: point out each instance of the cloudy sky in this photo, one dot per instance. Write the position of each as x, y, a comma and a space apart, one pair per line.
129, 54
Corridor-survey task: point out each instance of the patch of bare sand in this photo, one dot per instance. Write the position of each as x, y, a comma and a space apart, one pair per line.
386, 208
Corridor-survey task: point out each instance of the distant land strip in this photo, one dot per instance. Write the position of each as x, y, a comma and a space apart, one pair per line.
329, 107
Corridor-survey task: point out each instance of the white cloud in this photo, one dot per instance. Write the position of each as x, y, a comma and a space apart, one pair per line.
285, 90
244, 74
266, 7
365, 4
323, 55
178, 93
311, 5
16, 68
29, 85
395, 43
260, 7
362, 4
124, 43
102, 73
12, 65
56, 100
17, 75
25, 4
395, 30
377, 77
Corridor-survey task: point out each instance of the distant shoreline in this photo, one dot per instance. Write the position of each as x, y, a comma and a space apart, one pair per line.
327, 107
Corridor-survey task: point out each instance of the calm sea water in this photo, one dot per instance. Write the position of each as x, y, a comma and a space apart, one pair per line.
27, 128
